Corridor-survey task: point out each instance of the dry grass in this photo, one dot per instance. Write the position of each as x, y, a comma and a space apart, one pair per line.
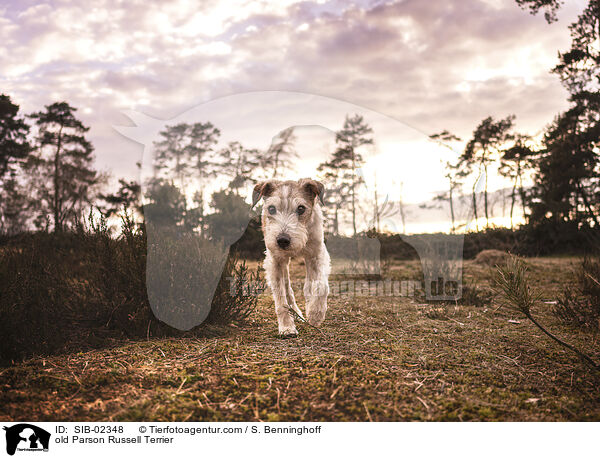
491, 257
375, 359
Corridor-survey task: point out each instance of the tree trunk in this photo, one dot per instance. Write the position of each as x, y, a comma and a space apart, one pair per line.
376, 209
451, 200
201, 212
475, 216
276, 165
485, 195
587, 205
353, 194
335, 222
57, 205
513, 196
523, 196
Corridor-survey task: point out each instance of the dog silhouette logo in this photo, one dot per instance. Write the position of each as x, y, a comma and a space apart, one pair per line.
26, 437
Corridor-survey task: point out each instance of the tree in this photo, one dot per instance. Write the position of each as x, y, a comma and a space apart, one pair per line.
567, 178
579, 68
171, 154
335, 197
13, 209
184, 151
13, 135
61, 173
166, 204
483, 148
550, 7
238, 164
515, 161
454, 174
401, 207
567, 182
127, 197
355, 134
14, 147
230, 218
281, 153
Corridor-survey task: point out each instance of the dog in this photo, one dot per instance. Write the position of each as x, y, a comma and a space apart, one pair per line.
292, 224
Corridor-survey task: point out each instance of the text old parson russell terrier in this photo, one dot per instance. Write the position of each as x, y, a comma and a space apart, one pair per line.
292, 223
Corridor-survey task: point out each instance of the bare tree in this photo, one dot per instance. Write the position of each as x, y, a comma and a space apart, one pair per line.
281, 153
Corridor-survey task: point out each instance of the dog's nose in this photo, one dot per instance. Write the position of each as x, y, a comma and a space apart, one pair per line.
283, 241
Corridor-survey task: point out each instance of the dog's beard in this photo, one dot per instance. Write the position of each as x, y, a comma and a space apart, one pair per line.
297, 235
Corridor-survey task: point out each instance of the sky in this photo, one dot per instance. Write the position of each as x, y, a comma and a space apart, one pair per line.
423, 65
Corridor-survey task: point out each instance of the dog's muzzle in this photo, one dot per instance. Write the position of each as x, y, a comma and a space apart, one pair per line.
283, 241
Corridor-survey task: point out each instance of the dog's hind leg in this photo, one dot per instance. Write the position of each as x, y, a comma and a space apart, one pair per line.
316, 286
276, 274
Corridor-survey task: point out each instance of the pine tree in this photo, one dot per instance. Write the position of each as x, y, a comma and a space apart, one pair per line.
13, 135
60, 170
238, 164
14, 148
455, 174
281, 153
567, 181
515, 162
335, 197
127, 197
184, 154
354, 135
483, 148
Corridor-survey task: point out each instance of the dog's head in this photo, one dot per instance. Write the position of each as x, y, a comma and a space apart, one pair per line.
288, 214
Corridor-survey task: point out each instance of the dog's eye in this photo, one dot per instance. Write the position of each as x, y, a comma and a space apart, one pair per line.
301, 209
272, 209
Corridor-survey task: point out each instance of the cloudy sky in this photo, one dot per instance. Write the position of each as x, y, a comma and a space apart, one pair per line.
430, 65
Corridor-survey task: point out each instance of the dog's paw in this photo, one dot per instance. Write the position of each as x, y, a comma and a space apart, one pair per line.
288, 333
316, 317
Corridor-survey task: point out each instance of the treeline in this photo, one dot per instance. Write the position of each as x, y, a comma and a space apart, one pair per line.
563, 164
48, 181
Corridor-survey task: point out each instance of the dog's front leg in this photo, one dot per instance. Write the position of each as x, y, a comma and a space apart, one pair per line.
291, 300
316, 286
277, 278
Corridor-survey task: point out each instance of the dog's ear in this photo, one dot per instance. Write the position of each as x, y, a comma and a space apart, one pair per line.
262, 189
313, 188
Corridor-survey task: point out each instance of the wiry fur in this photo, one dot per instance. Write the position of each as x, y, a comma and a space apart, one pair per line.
305, 233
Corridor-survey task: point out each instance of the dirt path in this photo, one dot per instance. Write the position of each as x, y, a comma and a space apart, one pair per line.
374, 359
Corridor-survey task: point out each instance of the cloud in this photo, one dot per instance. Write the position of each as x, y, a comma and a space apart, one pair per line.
433, 64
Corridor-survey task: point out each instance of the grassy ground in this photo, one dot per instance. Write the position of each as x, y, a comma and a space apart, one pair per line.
374, 359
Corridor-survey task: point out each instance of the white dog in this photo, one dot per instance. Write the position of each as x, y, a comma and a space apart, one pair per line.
292, 223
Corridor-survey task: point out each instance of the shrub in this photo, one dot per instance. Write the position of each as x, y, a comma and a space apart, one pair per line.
236, 295
579, 306
491, 257
83, 289
514, 290
473, 295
